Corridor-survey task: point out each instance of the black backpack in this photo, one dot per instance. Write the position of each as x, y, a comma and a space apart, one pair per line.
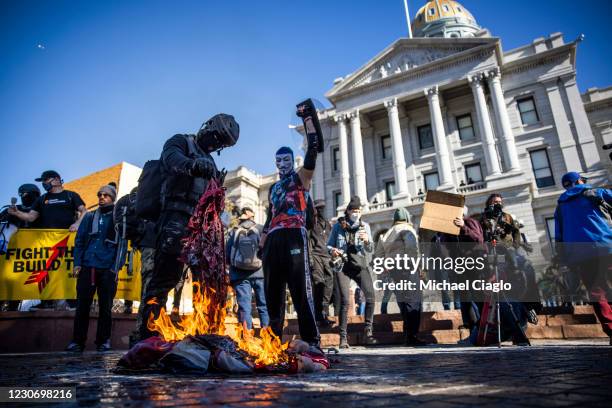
148, 197
124, 216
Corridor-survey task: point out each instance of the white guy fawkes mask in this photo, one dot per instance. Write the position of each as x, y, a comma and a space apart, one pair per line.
284, 163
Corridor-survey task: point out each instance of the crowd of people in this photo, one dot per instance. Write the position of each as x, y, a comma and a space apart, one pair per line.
297, 247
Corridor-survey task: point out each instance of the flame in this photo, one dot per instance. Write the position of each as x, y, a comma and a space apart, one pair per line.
208, 317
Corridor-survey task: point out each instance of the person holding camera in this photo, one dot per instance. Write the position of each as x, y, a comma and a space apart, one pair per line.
503, 237
353, 239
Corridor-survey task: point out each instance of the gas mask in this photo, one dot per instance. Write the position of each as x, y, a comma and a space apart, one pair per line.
218, 132
284, 161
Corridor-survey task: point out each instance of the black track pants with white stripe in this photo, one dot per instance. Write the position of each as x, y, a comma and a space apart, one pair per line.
285, 262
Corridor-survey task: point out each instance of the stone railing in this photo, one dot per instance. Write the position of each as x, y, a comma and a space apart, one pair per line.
469, 188
381, 206
418, 198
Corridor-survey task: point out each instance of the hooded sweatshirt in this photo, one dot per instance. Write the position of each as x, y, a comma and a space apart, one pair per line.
578, 218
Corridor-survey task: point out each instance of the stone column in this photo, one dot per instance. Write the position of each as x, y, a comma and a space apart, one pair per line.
569, 150
582, 125
319, 180
397, 148
501, 115
344, 160
484, 123
358, 161
437, 128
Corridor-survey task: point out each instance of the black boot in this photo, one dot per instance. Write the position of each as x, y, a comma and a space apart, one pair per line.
344, 343
325, 321
413, 341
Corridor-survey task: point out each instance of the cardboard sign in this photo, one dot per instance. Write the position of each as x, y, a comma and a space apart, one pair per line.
440, 210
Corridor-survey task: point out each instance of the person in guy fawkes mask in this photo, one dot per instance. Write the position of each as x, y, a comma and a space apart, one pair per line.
186, 169
285, 245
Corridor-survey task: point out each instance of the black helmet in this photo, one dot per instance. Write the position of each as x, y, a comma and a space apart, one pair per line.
28, 194
28, 188
218, 132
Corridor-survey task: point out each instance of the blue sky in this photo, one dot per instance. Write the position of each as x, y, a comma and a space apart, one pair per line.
115, 79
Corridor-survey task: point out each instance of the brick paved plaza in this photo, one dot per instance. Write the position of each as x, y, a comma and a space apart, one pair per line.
552, 373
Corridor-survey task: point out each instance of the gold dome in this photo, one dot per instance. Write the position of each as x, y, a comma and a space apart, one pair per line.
438, 11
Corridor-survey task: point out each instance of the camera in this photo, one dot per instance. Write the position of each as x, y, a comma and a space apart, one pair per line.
337, 262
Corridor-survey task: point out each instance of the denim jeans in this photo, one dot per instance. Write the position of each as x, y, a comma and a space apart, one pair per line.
243, 290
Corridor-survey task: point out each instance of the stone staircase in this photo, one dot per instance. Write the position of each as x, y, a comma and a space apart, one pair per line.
444, 327
52, 330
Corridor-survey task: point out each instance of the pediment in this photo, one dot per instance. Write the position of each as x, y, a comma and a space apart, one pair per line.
405, 55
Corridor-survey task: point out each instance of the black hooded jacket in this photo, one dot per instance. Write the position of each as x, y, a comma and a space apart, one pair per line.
180, 190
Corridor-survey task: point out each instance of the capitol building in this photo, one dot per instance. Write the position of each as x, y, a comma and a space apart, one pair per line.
449, 109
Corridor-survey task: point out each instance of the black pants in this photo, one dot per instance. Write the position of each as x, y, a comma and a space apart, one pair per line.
411, 315
90, 281
409, 302
285, 261
336, 296
364, 280
167, 269
323, 282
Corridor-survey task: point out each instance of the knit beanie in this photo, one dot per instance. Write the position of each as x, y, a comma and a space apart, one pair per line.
354, 204
110, 190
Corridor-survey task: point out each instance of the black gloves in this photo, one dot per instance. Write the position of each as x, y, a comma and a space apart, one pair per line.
203, 167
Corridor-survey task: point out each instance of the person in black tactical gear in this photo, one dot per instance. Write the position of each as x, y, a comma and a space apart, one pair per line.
186, 168
322, 275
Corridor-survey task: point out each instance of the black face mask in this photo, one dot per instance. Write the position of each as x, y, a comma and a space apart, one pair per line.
494, 211
28, 199
47, 186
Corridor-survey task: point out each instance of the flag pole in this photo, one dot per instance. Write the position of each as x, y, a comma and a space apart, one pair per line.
408, 19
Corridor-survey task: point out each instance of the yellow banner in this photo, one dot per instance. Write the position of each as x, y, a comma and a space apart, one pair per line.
38, 264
